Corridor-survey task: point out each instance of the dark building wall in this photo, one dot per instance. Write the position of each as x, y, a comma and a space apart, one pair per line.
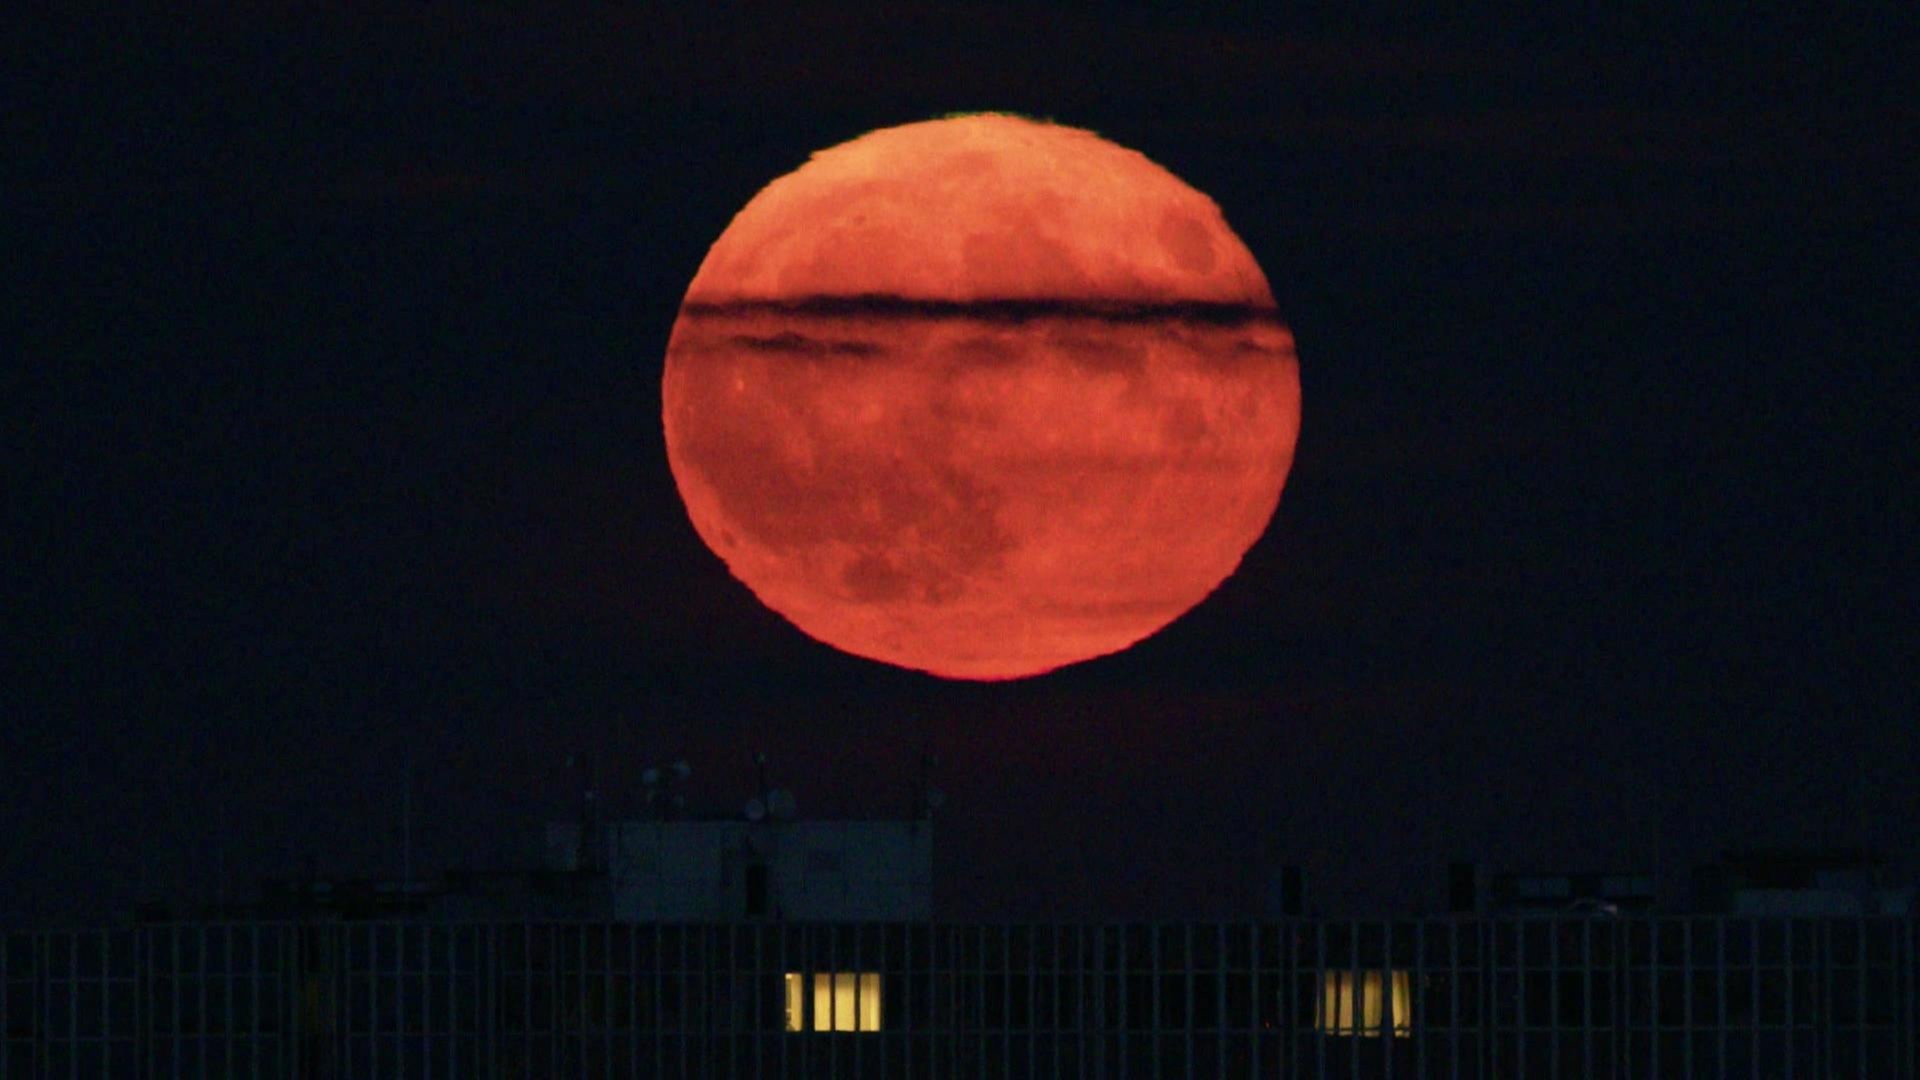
1702, 996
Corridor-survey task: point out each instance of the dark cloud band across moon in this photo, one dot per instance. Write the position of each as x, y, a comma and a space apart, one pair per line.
1059, 433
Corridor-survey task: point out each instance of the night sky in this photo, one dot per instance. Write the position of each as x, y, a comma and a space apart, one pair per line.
333, 450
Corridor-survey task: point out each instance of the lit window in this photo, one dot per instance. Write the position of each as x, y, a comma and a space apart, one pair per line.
1353, 1003
841, 1001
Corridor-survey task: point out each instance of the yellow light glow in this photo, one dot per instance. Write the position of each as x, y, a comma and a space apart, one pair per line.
841, 1001
1353, 1003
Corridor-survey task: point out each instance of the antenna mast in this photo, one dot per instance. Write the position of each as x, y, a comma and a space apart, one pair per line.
406, 828
588, 855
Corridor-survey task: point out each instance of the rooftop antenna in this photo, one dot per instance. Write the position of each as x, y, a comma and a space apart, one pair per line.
930, 798
406, 827
927, 799
588, 856
756, 808
781, 805
1859, 792
779, 801
220, 855
662, 801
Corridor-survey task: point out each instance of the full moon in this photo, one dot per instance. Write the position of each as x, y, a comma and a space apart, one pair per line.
981, 396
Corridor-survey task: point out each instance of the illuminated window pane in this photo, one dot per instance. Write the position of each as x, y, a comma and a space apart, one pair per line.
841, 1001
796, 1002
1355, 1003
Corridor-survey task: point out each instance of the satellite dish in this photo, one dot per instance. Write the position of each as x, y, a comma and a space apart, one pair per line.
781, 805
756, 810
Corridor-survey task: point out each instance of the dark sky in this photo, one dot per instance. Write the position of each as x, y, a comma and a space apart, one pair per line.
333, 444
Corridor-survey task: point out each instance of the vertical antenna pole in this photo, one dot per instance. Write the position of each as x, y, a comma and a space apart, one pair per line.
406, 830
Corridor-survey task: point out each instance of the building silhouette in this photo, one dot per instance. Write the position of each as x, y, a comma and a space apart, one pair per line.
773, 946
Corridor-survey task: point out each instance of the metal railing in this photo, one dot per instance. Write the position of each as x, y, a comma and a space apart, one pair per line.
1697, 996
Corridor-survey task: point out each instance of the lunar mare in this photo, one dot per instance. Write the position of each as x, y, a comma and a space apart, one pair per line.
950, 448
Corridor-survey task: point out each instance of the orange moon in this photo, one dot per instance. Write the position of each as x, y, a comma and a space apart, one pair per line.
980, 396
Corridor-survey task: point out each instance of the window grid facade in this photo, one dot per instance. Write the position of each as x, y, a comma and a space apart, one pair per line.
1547, 997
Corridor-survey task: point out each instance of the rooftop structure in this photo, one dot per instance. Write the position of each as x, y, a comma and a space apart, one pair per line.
1836, 881
1473, 889
814, 871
